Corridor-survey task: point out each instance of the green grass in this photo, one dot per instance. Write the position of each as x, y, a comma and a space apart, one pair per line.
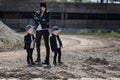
22, 32
112, 34
11, 45
100, 34
7, 44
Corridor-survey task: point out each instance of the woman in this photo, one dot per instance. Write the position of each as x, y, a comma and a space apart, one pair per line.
41, 19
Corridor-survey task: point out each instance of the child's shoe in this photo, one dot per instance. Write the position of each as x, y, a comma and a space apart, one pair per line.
33, 63
60, 62
29, 64
55, 64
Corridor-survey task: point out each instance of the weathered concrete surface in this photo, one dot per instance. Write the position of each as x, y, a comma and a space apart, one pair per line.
8, 37
33, 5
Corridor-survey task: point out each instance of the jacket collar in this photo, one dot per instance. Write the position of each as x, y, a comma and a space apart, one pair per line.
54, 35
29, 34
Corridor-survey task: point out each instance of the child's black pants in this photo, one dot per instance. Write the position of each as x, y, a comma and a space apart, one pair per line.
29, 56
57, 52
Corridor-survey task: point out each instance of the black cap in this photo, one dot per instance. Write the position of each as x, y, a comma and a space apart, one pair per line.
42, 4
28, 27
55, 28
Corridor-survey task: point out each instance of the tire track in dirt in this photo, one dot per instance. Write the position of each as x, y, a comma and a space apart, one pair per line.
73, 42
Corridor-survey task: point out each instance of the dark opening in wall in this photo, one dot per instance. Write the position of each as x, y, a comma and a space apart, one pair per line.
93, 16
27, 15
55, 15
17, 15
60, 15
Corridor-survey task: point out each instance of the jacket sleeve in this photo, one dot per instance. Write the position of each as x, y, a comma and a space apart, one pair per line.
33, 37
60, 41
52, 44
46, 19
36, 19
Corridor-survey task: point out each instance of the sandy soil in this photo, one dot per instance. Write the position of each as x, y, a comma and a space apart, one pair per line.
83, 57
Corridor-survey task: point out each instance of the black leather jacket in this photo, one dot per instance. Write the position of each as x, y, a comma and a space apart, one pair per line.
53, 42
27, 41
44, 20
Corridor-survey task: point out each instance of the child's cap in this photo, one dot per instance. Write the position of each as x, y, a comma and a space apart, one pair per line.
28, 27
55, 28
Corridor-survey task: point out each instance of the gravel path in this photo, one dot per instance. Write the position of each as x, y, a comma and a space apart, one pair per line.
83, 57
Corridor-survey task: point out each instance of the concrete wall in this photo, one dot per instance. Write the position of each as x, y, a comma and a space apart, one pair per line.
33, 5
113, 24
17, 24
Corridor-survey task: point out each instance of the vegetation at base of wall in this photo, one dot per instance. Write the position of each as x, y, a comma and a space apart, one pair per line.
74, 1
24, 32
111, 34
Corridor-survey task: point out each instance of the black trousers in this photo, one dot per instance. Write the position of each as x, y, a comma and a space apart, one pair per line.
45, 34
29, 56
57, 52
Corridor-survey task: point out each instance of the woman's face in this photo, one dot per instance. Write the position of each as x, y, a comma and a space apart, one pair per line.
42, 9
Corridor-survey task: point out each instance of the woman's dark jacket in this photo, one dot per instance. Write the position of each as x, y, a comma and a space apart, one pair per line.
44, 20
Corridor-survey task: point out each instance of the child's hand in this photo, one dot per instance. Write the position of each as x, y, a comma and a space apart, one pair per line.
34, 40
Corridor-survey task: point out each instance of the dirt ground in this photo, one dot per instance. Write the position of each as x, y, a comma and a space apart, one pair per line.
83, 57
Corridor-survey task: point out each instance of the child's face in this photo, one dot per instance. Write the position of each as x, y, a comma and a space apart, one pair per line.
56, 32
30, 31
